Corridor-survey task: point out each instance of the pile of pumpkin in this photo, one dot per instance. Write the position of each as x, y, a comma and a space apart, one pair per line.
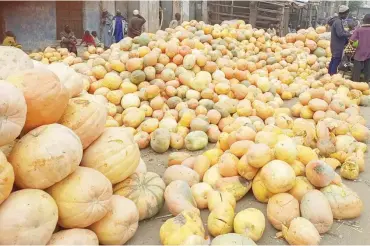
59, 165
180, 88
53, 55
174, 86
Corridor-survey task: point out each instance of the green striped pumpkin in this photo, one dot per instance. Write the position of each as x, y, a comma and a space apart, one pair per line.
145, 190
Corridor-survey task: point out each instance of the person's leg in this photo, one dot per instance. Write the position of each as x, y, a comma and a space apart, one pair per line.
356, 72
333, 66
367, 70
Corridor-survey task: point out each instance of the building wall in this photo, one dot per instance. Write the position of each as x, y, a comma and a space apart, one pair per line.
91, 16
33, 24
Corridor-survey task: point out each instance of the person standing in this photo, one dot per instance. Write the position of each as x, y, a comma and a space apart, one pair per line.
176, 22
68, 40
135, 26
119, 24
339, 38
107, 28
362, 55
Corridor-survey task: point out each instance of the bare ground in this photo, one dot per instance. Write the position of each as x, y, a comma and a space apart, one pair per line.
348, 232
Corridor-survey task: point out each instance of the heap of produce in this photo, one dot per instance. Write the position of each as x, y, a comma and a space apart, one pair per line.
72, 132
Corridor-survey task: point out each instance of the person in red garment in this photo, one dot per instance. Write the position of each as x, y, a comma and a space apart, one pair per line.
88, 39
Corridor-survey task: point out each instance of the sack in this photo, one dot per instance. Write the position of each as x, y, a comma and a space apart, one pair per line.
349, 50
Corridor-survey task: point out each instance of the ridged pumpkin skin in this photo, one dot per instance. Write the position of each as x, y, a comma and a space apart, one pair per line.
74, 237
45, 156
86, 117
146, 190
6, 177
13, 111
83, 198
119, 224
13, 59
45, 95
27, 217
114, 154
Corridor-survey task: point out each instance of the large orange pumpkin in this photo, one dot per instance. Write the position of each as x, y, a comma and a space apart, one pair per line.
13, 110
45, 95
114, 153
45, 156
86, 117
146, 190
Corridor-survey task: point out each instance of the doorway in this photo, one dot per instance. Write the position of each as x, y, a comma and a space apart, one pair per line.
70, 13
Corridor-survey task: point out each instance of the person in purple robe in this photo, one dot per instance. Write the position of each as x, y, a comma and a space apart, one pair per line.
362, 56
119, 26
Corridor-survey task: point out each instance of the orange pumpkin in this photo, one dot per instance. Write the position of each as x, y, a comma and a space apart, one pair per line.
86, 117
45, 95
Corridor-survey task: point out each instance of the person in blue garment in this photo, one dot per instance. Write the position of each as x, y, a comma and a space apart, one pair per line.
107, 28
339, 38
119, 24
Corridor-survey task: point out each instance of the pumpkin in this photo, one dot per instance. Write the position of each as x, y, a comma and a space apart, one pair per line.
180, 172
83, 198
196, 140
282, 209
200, 193
68, 77
301, 187
301, 232
13, 110
321, 218
146, 190
55, 146
160, 140
176, 231
178, 197
6, 177
118, 225
32, 223
250, 222
86, 117
45, 95
236, 185
13, 59
232, 239
319, 173
216, 197
74, 237
114, 154
220, 220
259, 155
344, 202
278, 176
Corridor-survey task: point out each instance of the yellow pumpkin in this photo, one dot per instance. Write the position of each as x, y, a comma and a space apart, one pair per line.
114, 154
76, 207
45, 95
86, 117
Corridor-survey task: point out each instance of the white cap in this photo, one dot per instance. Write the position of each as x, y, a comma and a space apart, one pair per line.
343, 8
136, 12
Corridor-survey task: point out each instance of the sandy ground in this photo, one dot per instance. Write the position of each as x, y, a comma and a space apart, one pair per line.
349, 232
